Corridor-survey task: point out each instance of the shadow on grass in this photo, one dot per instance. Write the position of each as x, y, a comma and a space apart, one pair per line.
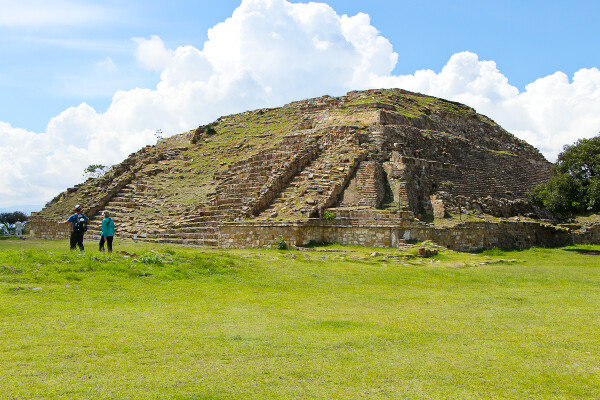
312, 244
585, 251
498, 252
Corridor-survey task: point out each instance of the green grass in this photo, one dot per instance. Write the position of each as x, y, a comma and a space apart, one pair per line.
330, 322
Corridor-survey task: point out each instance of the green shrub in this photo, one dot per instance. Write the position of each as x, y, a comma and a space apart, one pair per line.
559, 195
281, 244
151, 258
210, 130
328, 216
495, 252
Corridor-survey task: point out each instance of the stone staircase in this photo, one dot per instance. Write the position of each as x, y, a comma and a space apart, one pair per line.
402, 192
376, 141
124, 209
123, 197
250, 185
193, 227
319, 184
244, 187
369, 177
199, 229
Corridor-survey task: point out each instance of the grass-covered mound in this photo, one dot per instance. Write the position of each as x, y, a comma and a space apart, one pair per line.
177, 323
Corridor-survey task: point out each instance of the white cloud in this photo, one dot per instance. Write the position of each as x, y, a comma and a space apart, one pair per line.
558, 111
152, 54
267, 53
107, 65
32, 165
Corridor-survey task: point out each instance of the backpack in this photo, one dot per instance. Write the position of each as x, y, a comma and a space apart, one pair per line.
81, 224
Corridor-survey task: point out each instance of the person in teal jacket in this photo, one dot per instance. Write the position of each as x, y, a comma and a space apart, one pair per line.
108, 232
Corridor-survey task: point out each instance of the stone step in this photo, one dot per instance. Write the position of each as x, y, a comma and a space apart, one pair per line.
192, 242
174, 236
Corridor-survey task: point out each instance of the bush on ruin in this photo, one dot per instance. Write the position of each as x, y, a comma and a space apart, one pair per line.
575, 183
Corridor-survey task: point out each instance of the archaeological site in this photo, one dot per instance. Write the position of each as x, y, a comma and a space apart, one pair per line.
372, 168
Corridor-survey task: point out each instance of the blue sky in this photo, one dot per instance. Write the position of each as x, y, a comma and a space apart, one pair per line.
48, 68
527, 39
63, 65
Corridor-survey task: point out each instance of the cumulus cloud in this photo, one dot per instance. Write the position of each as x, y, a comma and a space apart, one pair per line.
267, 53
32, 165
152, 54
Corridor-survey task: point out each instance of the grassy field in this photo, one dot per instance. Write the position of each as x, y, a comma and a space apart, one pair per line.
345, 323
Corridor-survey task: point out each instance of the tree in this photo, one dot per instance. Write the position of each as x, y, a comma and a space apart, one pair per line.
581, 159
12, 217
575, 183
560, 195
8, 219
95, 170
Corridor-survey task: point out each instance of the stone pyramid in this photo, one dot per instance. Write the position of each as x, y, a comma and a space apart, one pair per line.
382, 156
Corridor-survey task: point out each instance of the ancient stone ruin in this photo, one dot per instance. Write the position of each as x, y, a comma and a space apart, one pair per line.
374, 167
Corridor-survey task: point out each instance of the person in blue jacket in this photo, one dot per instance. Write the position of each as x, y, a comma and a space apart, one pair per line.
79, 221
108, 232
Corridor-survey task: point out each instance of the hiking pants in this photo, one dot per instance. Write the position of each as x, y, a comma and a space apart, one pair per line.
109, 240
76, 240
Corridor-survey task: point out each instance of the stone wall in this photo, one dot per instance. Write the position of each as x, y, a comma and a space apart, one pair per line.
475, 170
388, 230
374, 229
590, 234
469, 236
48, 229
262, 234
